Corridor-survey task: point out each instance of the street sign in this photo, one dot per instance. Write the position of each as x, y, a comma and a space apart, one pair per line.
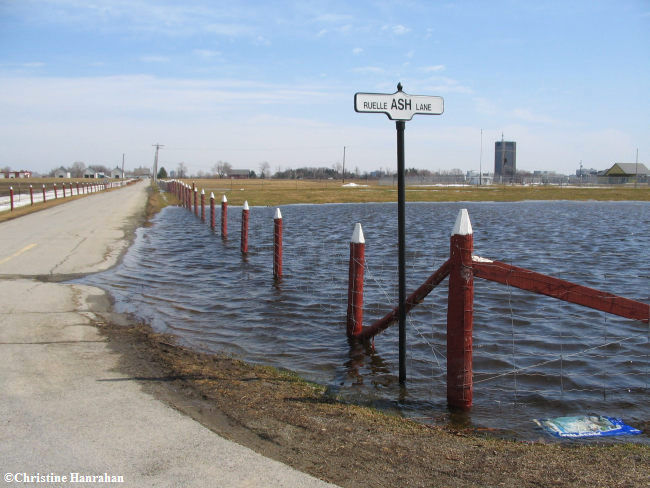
398, 105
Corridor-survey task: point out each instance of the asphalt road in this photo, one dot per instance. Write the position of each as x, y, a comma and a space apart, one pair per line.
64, 409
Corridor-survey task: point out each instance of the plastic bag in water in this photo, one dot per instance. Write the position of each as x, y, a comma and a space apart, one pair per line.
586, 426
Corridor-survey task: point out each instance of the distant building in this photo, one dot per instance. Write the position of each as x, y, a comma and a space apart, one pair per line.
238, 174
142, 172
16, 174
475, 178
61, 173
505, 161
621, 173
116, 173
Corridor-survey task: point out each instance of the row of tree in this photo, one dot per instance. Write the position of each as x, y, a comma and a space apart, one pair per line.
77, 169
223, 169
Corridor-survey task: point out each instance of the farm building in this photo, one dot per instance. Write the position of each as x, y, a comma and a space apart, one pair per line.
116, 173
625, 173
239, 174
93, 173
16, 174
61, 173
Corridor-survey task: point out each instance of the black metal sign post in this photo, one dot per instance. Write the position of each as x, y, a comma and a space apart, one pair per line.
400, 107
400, 125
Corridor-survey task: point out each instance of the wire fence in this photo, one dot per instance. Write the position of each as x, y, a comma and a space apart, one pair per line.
528, 349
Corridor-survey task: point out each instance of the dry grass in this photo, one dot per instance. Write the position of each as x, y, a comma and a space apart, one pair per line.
282, 192
301, 424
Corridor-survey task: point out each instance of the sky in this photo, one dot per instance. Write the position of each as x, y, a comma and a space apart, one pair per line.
274, 81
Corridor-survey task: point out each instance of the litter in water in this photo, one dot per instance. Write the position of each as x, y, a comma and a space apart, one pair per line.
586, 426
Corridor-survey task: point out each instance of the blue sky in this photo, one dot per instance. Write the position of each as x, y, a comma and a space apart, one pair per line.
247, 82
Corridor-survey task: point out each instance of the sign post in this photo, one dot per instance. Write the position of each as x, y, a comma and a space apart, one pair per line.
400, 106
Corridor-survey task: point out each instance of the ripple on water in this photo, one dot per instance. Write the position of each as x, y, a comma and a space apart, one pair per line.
533, 356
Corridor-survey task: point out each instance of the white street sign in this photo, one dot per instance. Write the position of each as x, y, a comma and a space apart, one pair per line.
399, 105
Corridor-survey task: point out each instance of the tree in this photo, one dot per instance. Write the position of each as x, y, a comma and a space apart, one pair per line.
181, 170
162, 173
77, 169
222, 168
265, 167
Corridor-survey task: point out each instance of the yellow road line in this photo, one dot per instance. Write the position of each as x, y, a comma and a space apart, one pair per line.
18, 253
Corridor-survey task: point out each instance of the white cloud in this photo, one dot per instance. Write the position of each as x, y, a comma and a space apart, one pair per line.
154, 59
321, 33
357, 50
398, 29
433, 69
35, 64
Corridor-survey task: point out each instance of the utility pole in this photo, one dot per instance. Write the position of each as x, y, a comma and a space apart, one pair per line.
503, 156
122, 165
155, 162
636, 168
344, 165
480, 163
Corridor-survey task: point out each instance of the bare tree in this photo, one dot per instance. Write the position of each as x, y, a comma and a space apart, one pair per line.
77, 169
181, 170
265, 168
222, 168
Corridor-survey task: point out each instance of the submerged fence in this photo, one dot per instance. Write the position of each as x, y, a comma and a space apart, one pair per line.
557, 368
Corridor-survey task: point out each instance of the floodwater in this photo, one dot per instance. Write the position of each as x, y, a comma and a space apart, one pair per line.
534, 357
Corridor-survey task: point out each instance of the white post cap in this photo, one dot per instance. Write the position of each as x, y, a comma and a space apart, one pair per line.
224, 199
462, 227
202, 191
246, 205
196, 190
211, 195
278, 214
357, 235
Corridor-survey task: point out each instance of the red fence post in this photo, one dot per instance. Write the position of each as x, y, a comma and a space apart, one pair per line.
277, 245
43, 193
77, 188
460, 314
196, 201
63, 189
55, 195
244, 228
31, 194
212, 212
11, 197
355, 282
202, 205
224, 217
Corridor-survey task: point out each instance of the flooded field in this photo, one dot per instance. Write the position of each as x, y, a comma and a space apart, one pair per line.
533, 356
